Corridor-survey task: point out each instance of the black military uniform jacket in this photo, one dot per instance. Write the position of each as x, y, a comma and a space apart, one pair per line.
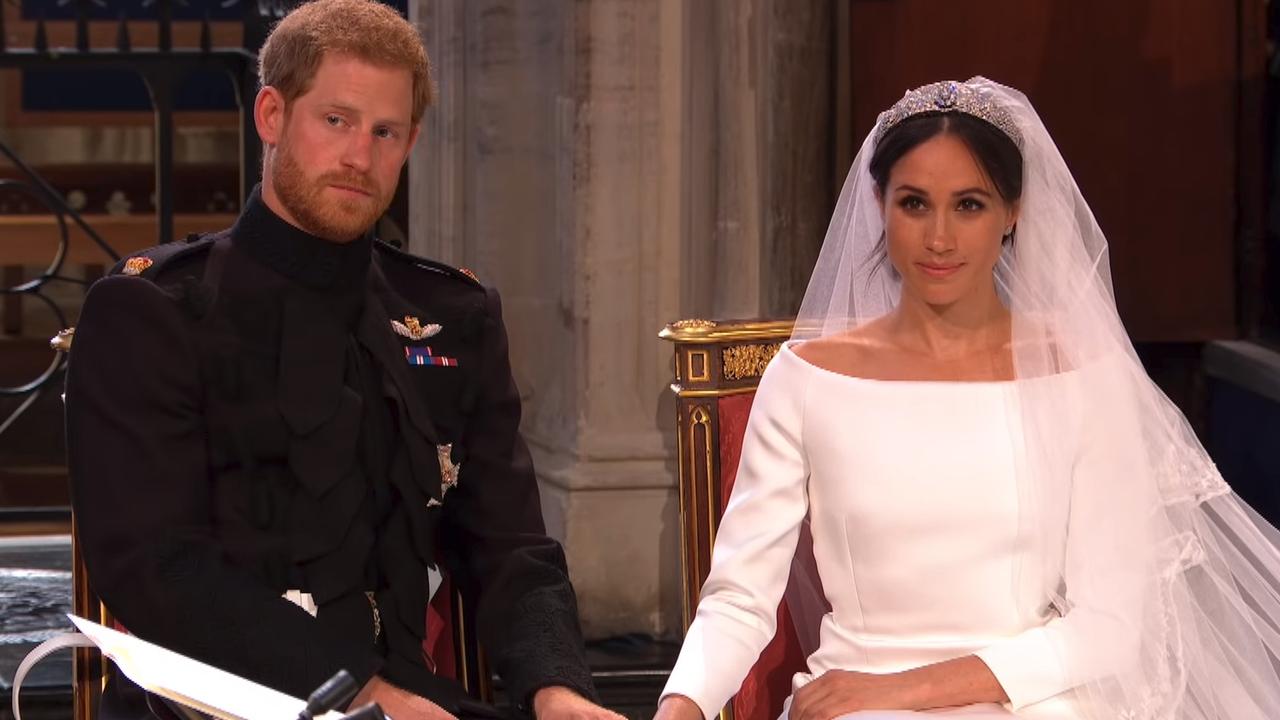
261, 411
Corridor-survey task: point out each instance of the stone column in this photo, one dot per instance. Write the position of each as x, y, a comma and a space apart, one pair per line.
759, 133
540, 169
604, 163
797, 133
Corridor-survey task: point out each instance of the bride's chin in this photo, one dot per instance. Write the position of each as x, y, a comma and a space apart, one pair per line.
941, 295
934, 297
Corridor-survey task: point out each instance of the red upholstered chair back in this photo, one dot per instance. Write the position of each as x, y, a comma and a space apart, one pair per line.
718, 365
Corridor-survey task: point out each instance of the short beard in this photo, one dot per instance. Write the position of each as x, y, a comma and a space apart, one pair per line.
336, 221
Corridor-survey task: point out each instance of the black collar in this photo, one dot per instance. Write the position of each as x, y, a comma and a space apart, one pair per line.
298, 255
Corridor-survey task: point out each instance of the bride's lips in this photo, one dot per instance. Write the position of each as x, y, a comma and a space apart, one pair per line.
939, 271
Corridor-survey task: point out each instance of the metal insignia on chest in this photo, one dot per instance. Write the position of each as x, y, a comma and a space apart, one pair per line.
413, 328
135, 265
448, 469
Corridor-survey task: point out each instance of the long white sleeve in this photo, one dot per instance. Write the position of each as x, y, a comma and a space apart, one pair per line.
754, 545
1107, 552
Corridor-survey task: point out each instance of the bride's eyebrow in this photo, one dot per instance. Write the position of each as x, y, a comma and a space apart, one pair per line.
911, 189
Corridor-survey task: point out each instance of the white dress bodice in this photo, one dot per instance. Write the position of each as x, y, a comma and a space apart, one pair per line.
914, 510
919, 542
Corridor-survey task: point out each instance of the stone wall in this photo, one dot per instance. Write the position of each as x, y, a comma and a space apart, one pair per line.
610, 166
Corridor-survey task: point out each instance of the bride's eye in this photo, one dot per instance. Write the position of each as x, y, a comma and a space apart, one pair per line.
970, 205
912, 203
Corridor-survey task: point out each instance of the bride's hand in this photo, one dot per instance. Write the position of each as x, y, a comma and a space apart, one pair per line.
839, 692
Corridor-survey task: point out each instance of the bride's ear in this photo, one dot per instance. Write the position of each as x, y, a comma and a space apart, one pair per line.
1014, 211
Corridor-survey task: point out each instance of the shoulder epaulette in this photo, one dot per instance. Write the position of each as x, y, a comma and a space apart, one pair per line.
148, 263
440, 268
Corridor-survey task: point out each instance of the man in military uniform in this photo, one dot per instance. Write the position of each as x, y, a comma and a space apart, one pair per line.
279, 432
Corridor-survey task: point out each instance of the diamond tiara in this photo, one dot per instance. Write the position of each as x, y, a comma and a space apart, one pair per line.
949, 96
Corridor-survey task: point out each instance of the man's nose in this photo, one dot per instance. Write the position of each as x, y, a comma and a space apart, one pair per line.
358, 154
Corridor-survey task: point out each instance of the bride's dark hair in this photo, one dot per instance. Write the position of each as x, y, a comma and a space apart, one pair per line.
995, 152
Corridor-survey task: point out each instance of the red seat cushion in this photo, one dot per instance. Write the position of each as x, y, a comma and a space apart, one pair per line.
768, 683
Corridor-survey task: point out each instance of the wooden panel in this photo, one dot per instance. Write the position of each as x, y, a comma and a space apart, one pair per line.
32, 239
102, 34
1142, 99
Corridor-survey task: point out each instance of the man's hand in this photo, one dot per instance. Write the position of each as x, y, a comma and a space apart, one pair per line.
561, 703
398, 704
839, 692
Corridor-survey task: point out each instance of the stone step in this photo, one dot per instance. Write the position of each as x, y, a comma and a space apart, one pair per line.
36, 575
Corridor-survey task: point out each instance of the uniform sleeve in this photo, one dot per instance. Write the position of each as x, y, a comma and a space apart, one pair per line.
142, 499
1107, 556
527, 613
755, 544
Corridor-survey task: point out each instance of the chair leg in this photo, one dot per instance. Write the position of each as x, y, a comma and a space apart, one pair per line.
87, 683
88, 665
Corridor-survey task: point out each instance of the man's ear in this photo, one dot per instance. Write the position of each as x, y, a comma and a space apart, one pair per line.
268, 115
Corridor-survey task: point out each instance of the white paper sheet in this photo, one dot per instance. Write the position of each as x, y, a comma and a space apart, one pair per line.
190, 682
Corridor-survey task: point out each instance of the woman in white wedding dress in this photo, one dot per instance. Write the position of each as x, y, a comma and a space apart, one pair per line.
1008, 517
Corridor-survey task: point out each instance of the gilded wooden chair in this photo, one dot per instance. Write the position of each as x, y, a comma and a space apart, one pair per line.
718, 365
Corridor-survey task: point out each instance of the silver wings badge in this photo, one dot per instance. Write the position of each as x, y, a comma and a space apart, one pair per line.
413, 329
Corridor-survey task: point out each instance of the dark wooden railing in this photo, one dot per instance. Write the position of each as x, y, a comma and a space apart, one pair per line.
162, 68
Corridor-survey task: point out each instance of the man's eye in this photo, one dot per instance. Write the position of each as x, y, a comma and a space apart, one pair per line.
333, 120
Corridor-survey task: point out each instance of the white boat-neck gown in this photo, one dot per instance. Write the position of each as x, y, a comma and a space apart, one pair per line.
914, 509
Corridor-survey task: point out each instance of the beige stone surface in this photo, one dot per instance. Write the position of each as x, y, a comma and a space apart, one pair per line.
608, 164
618, 539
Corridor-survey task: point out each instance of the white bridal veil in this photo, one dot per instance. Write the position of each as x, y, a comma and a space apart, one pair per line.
1170, 582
